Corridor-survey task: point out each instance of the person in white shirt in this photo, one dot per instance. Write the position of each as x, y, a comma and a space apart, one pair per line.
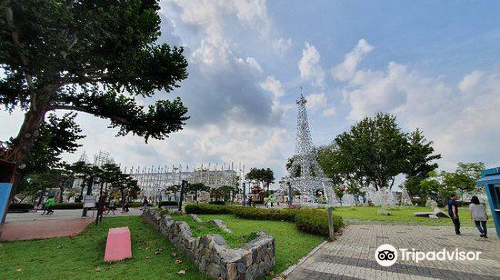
478, 214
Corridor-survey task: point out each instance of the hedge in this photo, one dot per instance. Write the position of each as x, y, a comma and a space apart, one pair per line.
168, 203
21, 206
217, 202
316, 221
252, 213
313, 221
209, 209
29, 206
68, 206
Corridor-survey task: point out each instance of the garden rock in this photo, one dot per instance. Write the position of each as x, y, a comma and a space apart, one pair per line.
211, 253
221, 225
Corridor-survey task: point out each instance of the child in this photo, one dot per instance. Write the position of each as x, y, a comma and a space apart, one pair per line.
48, 206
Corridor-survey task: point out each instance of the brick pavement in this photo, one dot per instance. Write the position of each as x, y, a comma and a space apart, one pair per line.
352, 256
27, 230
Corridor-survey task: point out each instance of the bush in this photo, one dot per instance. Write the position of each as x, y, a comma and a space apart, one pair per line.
217, 202
21, 206
68, 206
316, 221
208, 209
130, 205
168, 203
265, 214
313, 221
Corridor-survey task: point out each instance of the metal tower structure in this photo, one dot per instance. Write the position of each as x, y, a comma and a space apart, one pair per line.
304, 163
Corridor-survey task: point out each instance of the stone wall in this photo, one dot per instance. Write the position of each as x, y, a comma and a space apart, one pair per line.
211, 252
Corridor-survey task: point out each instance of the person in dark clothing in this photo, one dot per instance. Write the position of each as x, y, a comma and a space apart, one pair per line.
453, 212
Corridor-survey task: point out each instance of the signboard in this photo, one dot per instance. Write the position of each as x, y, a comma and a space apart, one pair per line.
4, 197
89, 201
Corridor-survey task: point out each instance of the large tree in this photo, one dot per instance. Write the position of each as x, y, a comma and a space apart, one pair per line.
92, 56
374, 151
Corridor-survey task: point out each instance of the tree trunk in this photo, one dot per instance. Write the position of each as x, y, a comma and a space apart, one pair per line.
23, 144
61, 190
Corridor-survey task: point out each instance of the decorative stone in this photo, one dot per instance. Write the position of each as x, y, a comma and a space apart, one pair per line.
211, 252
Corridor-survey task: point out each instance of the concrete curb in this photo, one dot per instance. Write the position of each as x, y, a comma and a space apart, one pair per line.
302, 260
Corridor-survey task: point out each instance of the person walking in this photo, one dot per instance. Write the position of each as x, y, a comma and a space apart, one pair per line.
271, 200
453, 212
111, 206
48, 206
478, 215
145, 203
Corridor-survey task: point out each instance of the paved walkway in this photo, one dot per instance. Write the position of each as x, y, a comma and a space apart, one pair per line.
62, 214
27, 230
352, 256
34, 225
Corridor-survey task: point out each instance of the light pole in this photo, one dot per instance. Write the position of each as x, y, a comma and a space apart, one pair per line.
243, 195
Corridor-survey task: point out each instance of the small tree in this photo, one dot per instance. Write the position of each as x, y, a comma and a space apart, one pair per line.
339, 192
265, 176
195, 188
464, 178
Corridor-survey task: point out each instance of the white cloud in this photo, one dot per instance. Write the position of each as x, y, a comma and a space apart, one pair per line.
281, 45
316, 101
310, 67
273, 85
463, 124
330, 112
347, 68
254, 63
470, 81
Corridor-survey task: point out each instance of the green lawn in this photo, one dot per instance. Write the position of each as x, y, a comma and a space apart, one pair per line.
78, 257
401, 215
291, 244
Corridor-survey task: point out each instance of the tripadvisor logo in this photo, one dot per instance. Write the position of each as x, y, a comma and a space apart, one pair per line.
387, 255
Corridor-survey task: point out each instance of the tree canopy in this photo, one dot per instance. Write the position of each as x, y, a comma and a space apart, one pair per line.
374, 151
94, 56
263, 175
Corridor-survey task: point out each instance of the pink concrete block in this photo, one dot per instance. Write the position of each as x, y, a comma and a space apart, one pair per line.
118, 245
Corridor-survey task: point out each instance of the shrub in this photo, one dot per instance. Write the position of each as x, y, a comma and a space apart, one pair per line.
130, 205
316, 221
217, 202
21, 206
313, 221
208, 209
265, 214
168, 203
68, 206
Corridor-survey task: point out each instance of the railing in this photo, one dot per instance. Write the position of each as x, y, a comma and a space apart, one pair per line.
7, 153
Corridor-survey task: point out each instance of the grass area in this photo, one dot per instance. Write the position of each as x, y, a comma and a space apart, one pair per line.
78, 257
401, 215
204, 228
291, 244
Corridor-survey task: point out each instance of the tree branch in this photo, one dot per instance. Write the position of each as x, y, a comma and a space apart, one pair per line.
15, 38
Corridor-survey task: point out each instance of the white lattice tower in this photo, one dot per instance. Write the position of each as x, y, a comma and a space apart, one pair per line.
311, 176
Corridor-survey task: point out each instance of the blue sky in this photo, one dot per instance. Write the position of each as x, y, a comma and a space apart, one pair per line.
433, 64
